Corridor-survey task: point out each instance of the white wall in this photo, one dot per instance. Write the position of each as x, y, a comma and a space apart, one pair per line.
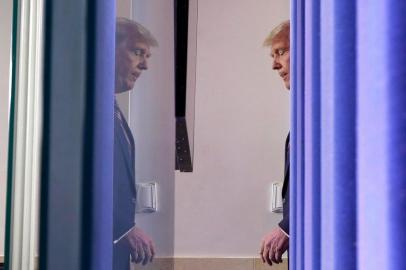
152, 119
191, 73
5, 47
241, 122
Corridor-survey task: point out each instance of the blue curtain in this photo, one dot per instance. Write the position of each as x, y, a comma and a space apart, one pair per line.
76, 219
348, 135
381, 134
103, 63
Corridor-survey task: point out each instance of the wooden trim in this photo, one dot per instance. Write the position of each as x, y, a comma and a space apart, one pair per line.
167, 263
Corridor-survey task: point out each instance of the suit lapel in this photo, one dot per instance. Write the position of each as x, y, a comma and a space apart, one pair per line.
126, 143
125, 150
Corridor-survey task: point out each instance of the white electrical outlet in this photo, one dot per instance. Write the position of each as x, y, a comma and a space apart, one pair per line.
146, 198
276, 197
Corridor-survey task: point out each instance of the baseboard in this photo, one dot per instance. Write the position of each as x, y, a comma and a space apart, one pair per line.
204, 264
209, 264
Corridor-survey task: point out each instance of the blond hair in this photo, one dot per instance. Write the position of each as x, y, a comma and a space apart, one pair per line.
280, 31
126, 28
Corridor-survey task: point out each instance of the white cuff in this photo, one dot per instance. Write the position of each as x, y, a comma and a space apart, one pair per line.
121, 237
284, 232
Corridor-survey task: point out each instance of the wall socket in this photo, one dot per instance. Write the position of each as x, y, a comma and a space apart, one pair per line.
276, 197
147, 201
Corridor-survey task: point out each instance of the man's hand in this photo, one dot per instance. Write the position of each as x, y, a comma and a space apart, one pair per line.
273, 245
141, 246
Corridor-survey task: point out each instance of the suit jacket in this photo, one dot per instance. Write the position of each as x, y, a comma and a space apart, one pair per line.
284, 224
124, 193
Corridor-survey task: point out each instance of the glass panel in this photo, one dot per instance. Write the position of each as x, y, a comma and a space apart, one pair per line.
238, 131
145, 102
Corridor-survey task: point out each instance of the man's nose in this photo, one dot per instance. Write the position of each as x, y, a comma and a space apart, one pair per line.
143, 64
276, 65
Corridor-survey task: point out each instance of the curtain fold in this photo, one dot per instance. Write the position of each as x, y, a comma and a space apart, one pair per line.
296, 137
103, 62
381, 134
348, 135
338, 138
312, 135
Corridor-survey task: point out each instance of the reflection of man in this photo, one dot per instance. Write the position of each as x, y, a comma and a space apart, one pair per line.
276, 242
133, 42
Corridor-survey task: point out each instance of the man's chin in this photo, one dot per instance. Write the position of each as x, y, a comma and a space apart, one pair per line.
124, 89
129, 86
287, 83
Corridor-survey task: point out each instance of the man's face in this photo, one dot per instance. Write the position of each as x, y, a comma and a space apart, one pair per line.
131, 60
281, 58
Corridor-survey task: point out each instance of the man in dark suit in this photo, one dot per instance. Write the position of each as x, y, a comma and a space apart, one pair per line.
276, 242
133, 43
